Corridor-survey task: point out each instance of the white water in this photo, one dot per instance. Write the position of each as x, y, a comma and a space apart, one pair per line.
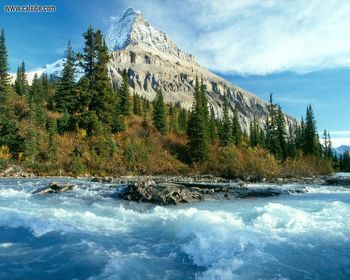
90, 234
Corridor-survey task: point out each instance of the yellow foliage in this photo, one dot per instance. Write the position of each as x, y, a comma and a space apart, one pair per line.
306, 166
4, 153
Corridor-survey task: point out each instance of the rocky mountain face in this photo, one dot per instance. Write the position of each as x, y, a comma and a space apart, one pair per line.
154, 61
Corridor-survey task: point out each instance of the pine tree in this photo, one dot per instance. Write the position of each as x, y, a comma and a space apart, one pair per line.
4, 76
125, 105
89, 56
281, 134
159, 113
197, 130
21, 83
327, 145
31, 145
101, 88
137, 105
66, 95
36, 102
272, 142
182, 120
213, 135
172, 118
311, 144
226, 125
254, 136
236, 128
97, 102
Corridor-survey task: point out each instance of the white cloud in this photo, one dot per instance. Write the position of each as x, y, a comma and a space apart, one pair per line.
341, 132
257, 37
336, 142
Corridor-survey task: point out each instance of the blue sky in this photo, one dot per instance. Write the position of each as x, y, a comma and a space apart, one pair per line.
299, 50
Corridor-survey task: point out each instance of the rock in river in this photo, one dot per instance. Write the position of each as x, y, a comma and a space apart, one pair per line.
54, 188
163, 193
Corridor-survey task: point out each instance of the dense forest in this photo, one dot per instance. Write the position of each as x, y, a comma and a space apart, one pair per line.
65, 126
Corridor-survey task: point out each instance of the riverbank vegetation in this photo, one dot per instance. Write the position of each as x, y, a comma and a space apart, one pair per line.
90, 126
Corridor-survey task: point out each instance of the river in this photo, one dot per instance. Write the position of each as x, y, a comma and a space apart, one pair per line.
89, 233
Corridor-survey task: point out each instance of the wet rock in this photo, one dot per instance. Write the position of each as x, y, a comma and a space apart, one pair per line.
244, 192
162, 193
55, 188
107, 180
96, 180
338, 181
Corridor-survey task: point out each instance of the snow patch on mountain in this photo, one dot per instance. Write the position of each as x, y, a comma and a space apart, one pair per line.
53, 69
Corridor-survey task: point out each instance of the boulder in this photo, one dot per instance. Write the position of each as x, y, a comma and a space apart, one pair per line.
55, 188
161, 194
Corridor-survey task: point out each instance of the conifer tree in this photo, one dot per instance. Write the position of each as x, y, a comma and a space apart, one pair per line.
36, 102
226, 125
172, 118
182, 120
327, 145
21, 83
159, 113
66, 95
137, 105
4, 76
97, 102
197, 130
236, 128
89, 56
273, 143
254, 136
125, 105
212, 126
311, 144
281, 134
101, 88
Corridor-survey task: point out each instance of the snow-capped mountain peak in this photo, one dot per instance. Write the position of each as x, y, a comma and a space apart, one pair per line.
118, 35
132, 30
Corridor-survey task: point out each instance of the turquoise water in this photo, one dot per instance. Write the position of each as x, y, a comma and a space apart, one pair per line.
90, 234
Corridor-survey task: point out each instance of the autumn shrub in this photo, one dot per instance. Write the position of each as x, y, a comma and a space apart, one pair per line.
256, 163
223, 162
306, 166
246, 163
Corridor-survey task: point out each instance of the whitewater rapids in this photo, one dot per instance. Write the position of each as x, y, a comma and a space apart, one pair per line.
91, 234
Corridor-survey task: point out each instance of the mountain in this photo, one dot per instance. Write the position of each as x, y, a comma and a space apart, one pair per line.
154, 61
341, 149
